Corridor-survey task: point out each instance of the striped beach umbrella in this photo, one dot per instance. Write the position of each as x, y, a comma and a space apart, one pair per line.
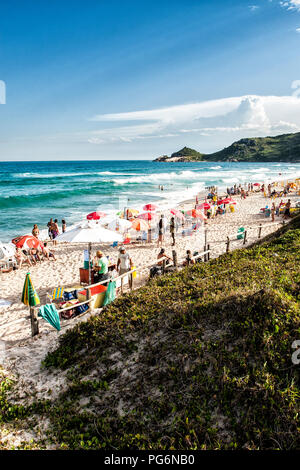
29, 294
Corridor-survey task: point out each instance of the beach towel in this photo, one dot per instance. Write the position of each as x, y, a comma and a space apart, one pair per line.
110, 294
49, 313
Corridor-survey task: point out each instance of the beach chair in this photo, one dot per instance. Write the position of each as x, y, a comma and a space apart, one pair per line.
57, 293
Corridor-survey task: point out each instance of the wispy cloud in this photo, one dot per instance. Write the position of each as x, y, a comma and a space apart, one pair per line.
298, 30
253, 7
249, 114
291, 4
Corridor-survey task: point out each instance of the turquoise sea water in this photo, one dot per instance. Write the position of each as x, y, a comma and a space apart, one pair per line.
32, 192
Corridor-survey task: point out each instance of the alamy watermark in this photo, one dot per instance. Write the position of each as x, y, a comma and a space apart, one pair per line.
2, 92
296, 354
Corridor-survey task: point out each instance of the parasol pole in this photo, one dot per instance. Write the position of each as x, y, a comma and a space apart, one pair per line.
90, 249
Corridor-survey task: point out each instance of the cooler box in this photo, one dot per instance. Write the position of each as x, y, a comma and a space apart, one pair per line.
97, 296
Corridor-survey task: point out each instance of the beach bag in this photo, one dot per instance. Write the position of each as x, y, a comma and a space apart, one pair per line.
155, 271
68, 295
110, 294
81, 309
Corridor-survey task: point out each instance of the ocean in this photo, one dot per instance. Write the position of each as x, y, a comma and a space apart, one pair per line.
32, 192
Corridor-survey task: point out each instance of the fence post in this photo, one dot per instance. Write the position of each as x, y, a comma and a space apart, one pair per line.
34, 322
227, 245
164, 266
131, 281
245, 238
259, 230
174, 254
208, 254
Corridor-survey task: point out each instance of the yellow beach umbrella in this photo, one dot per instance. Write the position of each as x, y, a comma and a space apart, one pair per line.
29, 294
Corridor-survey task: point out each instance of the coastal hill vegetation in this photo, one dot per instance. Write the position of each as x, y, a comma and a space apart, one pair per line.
282, 148
198, 359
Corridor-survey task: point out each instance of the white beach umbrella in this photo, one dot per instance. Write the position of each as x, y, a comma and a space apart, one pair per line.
88, 233
119, 224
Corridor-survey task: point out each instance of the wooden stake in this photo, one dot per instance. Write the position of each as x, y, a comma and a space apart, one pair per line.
34, 322
259, 230
227, 245
174, 254
245, 238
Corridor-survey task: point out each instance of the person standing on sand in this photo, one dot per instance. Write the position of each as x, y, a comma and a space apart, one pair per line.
172, 230
35, 231
273, 210
160, 231
55, 231
49, 225
63, 225
287, 212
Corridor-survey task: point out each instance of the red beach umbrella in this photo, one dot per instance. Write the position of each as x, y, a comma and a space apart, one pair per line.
204, 205
150, 207
28, 242
177, 214
147, 216
256, 184
95, 215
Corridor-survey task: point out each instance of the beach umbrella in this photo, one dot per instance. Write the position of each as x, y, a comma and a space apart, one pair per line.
196, 214
140, 225
29, 294
95, 215
256, 184
51, 315
147, 216
150, 207
88, 233
28, 242
177, 214
119, 224
204, 205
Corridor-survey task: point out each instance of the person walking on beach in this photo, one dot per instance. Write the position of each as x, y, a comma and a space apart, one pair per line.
63, 225
160, 231
172, 230
124, 264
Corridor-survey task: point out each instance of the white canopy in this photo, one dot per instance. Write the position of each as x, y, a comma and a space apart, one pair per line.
88, 233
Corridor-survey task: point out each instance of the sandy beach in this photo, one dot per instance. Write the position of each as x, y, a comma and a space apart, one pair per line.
21, 355
14, 322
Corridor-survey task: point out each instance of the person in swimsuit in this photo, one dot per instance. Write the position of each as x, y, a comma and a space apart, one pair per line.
35, 231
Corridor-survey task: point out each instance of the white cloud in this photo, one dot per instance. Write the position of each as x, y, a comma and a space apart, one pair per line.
245, 115
253, 7
298, 30
291, 5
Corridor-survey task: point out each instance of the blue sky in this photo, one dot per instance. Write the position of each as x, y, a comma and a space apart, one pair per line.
136, 79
